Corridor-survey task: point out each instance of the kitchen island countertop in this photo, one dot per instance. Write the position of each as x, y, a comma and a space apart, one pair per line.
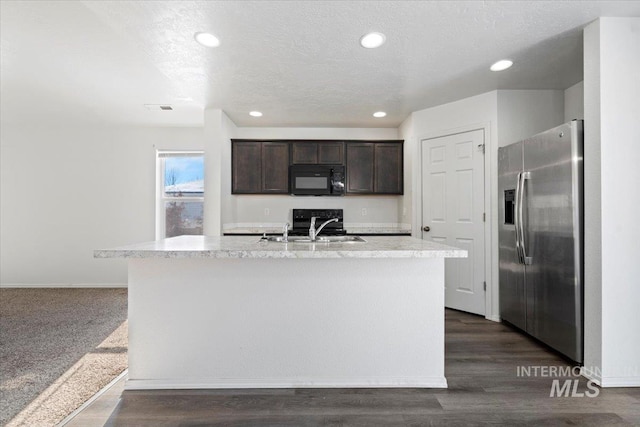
237, 312
252, 247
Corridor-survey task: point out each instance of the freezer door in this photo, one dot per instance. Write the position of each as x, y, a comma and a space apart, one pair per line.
552, 212
511, 273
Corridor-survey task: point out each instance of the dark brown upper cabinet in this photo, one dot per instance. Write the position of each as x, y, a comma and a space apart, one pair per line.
259, 167
375, 167
275, 167
246, 167
326, 152
331, 153
262, 166
360, 157
388, 170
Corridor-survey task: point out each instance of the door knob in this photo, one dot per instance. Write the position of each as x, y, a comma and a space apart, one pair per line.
426, 228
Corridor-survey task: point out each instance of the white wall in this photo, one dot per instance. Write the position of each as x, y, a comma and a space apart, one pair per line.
218, 130
66, 191
467, 114
574, 102
250, 209
476, 112
405, 203
523, 113
592, 200
612, 230
506, 116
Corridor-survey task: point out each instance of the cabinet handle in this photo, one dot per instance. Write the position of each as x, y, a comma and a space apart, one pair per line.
426, 228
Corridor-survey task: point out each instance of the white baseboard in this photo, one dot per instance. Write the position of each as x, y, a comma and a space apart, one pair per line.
494, 318
409, 382
620, 382
606, 382
63, 285
592, 375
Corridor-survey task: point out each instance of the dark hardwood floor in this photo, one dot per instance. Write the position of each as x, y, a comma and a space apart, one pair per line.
482, 362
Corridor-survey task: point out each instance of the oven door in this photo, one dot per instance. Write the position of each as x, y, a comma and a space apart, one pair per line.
310, 180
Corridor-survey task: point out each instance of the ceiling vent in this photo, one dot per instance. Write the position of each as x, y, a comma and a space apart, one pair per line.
158, 107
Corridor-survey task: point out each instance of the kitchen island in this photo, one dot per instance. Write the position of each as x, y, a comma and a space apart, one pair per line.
236, 312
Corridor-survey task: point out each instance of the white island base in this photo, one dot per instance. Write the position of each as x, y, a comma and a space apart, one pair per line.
282, 322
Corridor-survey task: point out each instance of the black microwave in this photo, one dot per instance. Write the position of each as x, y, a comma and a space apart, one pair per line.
316, 180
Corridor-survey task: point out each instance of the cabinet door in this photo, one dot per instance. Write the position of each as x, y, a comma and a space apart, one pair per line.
388, 170
246, 162
275, 167
331, 153
304, 153
360, 167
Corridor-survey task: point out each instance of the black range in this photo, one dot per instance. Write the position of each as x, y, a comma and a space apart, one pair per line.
302, 221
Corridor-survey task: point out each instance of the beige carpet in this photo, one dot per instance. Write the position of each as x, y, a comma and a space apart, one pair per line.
58, 347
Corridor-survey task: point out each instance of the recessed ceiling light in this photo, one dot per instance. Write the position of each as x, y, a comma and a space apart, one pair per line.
372, 40
207, 39
255, 114
379, 114
501, 65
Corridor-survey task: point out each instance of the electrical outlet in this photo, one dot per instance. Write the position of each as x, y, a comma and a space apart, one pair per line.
266, 211
364, 211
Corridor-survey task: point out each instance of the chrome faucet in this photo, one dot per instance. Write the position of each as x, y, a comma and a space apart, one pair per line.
285, 232
313, 232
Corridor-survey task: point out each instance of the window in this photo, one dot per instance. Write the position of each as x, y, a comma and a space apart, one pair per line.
180, 194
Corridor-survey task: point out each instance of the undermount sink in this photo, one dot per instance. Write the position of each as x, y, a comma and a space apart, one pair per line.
322, 239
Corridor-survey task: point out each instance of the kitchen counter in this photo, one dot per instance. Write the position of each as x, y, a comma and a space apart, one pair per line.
252, 247
233, 312
379, 231
352, 230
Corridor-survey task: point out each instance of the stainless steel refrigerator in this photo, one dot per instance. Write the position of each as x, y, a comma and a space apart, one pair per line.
541, 237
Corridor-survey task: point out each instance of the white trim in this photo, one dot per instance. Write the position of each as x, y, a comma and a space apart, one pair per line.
606, 382
592, 376
92, 399
491, 312
494, 318
620, 382
63, 285
161, 155
226, 383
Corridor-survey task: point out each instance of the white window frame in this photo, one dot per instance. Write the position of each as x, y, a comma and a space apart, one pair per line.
161, 198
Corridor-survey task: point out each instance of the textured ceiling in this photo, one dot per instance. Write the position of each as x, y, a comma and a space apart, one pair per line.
299, 62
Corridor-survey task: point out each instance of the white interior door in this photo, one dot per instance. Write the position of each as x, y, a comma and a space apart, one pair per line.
453, 212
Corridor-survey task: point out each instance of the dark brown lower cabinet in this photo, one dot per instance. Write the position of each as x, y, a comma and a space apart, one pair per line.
259, 167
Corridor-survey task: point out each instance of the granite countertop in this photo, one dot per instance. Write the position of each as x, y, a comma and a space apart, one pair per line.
350, 230
253, 230
378, 230
252, 247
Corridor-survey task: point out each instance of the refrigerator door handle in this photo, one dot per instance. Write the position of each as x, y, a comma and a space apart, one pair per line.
526, 260
517, 219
